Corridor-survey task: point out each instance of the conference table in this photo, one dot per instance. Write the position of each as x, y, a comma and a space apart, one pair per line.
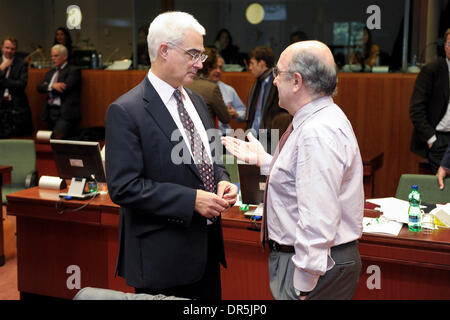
5, 178
64, 245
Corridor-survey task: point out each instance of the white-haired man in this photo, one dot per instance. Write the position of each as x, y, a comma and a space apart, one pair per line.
314, 197
62, 83
170, 229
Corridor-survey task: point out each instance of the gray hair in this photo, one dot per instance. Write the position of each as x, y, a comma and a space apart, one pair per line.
61, 49
319, 77
170, 26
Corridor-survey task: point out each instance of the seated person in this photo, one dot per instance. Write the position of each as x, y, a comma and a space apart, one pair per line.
63, 85
368, 54
209, 90
236, 108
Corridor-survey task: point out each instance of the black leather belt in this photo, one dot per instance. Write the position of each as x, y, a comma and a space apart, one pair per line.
280, 247
290, 249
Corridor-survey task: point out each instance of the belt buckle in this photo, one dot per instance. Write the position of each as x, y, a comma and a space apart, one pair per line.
274, 246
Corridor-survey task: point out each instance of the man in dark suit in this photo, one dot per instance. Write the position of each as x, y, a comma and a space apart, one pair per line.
160, 171
430, 111
263, 111
15, 114
63, 85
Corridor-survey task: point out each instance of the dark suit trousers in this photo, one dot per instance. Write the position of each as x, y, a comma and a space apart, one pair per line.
209, 285
437, 151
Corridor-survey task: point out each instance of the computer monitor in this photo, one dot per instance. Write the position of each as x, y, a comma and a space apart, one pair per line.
252, 184
79, 161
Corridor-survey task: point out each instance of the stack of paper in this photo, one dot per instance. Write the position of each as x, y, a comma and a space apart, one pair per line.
381, 225
393, 208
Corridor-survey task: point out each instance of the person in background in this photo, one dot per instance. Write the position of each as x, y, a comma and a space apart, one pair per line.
15, 113
63, 86
226, 49
236, 108
210, 91
263, 111
62, 36
160, 171
429, 109
314, 197
297, 36
444, 168
368, 53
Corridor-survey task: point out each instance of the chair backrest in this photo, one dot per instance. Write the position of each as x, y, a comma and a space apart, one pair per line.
428, 188
230, 163
21, 155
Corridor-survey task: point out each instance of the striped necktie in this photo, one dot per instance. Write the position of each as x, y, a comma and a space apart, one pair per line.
198, 150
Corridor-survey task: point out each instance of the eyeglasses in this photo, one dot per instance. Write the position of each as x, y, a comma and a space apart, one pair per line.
195, 56
276, 72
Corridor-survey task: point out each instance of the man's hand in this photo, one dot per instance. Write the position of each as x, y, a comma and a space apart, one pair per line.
441, 174
251, 152
209, 204
227, 191
59, 86
5, 64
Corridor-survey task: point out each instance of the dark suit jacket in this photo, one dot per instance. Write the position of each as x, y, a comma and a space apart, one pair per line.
428, 104
210, 92
446, 159
271, 109
162, 241
70, 98
16, 84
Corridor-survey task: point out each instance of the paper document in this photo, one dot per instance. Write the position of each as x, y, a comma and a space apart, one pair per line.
393, 208
381, 225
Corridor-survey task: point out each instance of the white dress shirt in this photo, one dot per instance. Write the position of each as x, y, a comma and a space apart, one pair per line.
315, 196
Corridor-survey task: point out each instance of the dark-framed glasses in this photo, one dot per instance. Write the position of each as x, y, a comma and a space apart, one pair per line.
195, 56
276, 72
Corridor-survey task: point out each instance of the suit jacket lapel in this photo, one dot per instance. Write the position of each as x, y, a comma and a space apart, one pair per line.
156, 108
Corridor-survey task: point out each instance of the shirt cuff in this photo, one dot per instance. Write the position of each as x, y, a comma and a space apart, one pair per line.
432, 139
265, 167
304, 281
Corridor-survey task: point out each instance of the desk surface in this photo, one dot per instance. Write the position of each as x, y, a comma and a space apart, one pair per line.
413, 265
40, 196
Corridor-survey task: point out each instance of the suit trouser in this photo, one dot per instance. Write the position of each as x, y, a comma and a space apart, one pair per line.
208, 287
437, 150
338, 283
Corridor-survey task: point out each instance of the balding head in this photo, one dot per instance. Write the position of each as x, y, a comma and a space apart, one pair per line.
315, 62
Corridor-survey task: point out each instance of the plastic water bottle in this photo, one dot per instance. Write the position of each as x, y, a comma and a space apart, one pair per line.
414, 212
93, 61
100, 61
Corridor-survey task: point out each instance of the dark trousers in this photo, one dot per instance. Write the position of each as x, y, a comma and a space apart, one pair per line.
436, 153
61, 128
208, 287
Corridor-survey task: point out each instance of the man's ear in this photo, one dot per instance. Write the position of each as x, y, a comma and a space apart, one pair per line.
163, 50
298, 81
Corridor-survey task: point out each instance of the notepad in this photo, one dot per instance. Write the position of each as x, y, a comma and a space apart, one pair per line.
382, 226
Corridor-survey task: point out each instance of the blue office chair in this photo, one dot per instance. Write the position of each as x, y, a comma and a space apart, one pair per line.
21, 155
